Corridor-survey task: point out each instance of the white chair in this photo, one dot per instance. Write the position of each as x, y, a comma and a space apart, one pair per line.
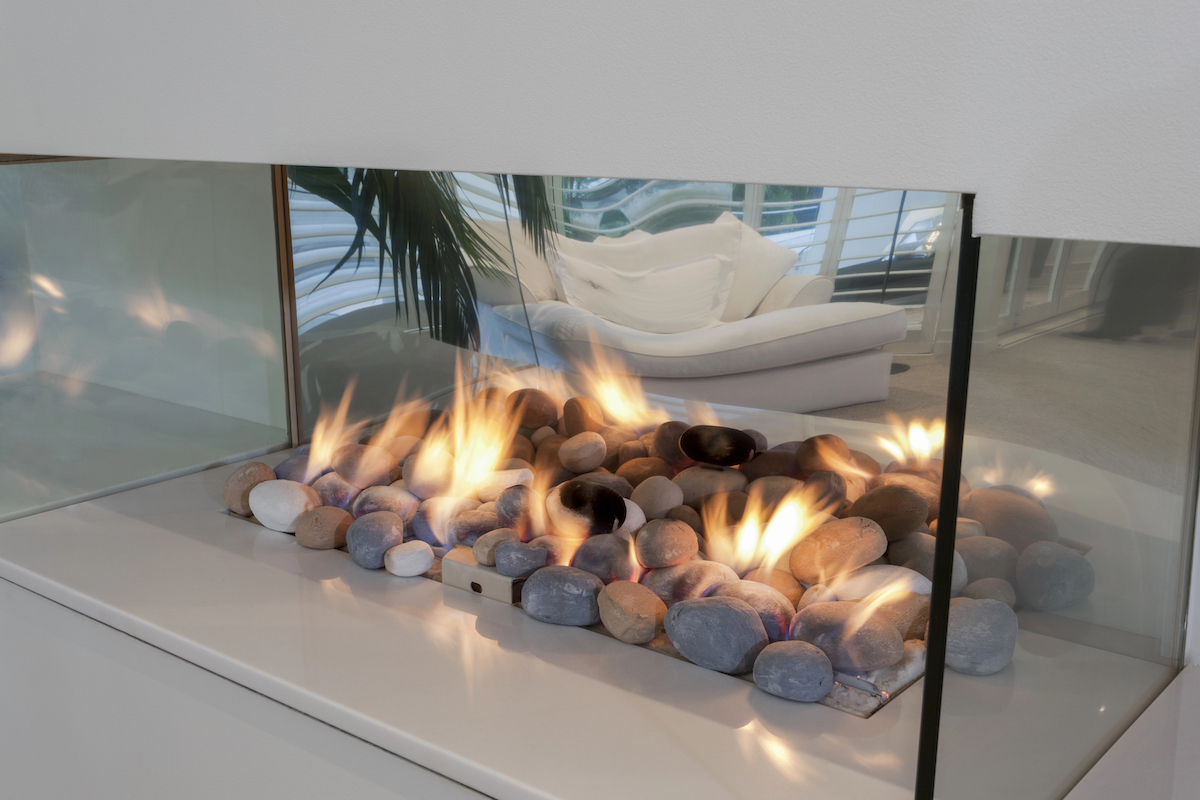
705, 312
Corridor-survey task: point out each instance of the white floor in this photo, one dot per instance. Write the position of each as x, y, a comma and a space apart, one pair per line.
512, 708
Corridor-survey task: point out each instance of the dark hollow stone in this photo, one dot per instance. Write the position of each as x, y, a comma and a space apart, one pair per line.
607, 557
600, 507
665, 444
717, 633
713, 444
614, 482
562, 595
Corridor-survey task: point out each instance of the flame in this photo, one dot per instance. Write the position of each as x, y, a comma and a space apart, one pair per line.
478, 439
17, 338
867, 607
404, 418
48, 285
918, 443
638, 569
609, 382
329, 433
845, 468
762, 536
1038, 482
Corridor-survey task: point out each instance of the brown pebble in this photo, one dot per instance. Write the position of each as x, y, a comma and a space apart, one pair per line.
768, 463
733, 504
929, 491
547, 453
689, 515
779, 580
639, 469
824, 451
236, 491
582, 414
836, 548
665, 444
908, 611
631, 612
898, 510
521, 448
323, 528
865, 463
665, 543
532, 407
630, 451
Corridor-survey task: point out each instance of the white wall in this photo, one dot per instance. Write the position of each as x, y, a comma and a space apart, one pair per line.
1070, 119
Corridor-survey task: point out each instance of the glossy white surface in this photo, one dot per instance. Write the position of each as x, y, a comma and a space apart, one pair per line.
90, 712
1159, 756
514, 708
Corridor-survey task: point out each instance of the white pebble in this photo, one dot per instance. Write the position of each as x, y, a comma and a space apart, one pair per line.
495, 483
409, 559
583, 452
277, 504
541, 434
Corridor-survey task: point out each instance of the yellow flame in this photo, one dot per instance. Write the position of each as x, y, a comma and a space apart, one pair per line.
762, 536
48, 285
1038, 482
329, 433
916, 443
609, 382
842, 466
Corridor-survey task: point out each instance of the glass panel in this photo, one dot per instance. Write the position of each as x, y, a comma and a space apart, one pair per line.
1080, 457
1043, 266
1081, 262
139, 325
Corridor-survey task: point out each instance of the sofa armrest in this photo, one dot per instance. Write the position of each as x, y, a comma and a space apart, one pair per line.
793, 291
500, 292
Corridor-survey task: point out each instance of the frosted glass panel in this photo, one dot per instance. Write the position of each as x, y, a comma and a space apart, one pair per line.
140, 328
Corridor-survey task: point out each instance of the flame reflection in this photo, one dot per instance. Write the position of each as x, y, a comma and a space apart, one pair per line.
916, 442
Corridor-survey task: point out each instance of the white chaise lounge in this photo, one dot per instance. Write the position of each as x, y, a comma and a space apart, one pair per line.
705, 312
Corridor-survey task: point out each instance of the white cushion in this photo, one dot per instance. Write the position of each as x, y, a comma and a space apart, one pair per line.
779, 338
760, 265
677, 246
533, 269
793, 291
670, 298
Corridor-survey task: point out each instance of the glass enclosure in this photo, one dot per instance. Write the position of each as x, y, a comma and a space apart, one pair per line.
719, 395
140, 326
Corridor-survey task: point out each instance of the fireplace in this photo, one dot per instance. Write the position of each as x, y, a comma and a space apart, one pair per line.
767, 457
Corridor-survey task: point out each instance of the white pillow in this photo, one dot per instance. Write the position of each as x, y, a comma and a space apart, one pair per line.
760, 265
661, 299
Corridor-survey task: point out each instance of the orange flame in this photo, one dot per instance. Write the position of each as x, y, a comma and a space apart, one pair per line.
1038, 482
329, 433
917, 443
762, 536
872, 603
847, 468
609, 382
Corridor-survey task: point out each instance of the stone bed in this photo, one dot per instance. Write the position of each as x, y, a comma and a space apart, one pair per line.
605, 527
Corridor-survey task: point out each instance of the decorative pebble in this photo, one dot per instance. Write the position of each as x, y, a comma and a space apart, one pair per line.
825, 492
898, 510
297, 469
773, 609
277, 504
521, 448
1007, 487
689, 515
614, 482
429, 473
760, 440
788, 447
558, 550
908, 611
817, 593
582, 414
631, 450
468, 526
665, 444
431, 524
520, 508
364, 465
372, 535
335, 491
823, 452
517, 559
656, 496
1049, 575
533, 408
639, 469
562, 595
582, 452
236, 490
991, 589
542, 434
981, 636
492, 485
1007, 515
614, 439
409, 559
767, 463
916, 551
771, 490
514, 463
606, 556
578, 509
868, 580
987, 557
323, 528
402, 446
963, 528
631, 612
713, 444
635, 518
686, 581
865, 463
717, 633
702, 480
779, 580
930, 468
854, 639
547, 453
794, 671
665, 543
928, 491
485, 546
724, 508
837, 548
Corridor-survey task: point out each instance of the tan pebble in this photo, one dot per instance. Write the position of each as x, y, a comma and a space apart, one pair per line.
631, 612
236, 491
323, 528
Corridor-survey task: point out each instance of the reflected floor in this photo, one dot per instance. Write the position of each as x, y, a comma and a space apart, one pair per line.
64, 439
